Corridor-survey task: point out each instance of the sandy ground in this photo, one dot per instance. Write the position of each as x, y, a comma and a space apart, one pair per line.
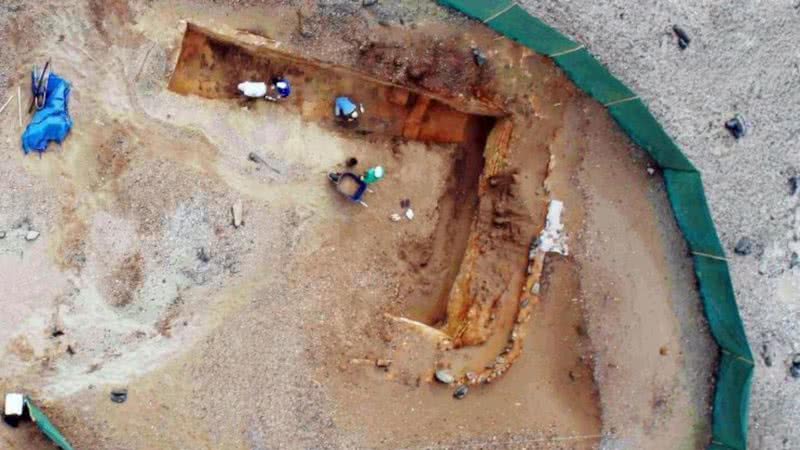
156, 291
742, 59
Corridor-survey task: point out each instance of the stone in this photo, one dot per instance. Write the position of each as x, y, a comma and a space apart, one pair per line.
794, 185
31, 235
794, 261
766, 355
255, 158
737, 127
383, 363
794, 369
203, 255
2, 234
445, 376
368, 3
409, 214
744, 247
119, 395
501, 221
479, 57
236, 210
395, 217
461, 392
683, 38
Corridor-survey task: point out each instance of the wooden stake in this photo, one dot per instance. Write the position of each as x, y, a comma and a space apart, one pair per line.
19, 105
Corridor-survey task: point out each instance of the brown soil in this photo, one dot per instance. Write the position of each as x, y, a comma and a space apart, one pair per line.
126, 279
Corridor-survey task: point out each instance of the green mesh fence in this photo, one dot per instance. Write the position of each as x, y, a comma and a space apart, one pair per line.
46, 426
684, 188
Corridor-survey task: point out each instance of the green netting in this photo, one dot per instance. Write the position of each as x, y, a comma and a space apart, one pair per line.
531, 32
636, 120
46, 426
509, 19
685, 190
720, 306
731, 400
581, 67
478, 10
718, 446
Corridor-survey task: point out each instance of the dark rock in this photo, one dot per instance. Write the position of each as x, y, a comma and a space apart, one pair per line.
794, 185
683, 38
460, 392
766, 356
744, 247
203, 255
2, 234
794, 369
737, 127
367, 3
255, 158
119, 395
351, 162
794, 261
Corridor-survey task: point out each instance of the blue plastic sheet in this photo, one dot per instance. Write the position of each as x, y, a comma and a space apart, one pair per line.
51, 123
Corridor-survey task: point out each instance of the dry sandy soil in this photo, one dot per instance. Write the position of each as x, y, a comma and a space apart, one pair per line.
743, 58
267, 335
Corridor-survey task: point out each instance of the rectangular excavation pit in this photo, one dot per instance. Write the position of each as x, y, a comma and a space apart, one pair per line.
212, 64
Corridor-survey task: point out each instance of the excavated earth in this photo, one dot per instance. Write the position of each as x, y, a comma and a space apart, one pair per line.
319, 323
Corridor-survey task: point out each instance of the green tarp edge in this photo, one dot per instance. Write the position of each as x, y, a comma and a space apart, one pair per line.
46, 426
685, 191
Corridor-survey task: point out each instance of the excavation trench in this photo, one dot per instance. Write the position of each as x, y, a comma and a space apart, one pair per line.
211, 65
475, 229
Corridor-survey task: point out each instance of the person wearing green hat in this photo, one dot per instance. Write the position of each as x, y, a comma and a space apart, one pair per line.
373, 174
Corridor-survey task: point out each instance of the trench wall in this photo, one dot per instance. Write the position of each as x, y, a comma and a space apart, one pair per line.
684, 189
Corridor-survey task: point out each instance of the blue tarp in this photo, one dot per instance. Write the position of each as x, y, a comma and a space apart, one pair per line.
51, 123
